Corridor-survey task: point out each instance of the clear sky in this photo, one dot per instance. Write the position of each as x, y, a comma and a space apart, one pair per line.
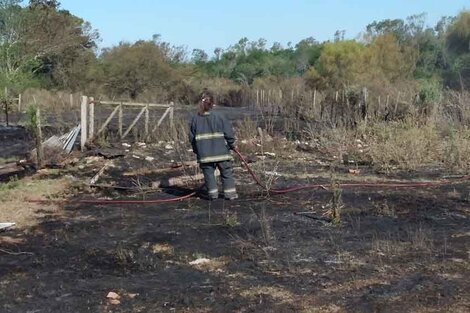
207, 24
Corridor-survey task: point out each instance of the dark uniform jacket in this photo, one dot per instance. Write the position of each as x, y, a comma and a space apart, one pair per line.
211, 136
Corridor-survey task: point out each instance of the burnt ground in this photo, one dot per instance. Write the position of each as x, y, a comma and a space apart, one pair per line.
395, 250
16, 142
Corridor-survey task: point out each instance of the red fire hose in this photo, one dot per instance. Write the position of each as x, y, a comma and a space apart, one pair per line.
259, 183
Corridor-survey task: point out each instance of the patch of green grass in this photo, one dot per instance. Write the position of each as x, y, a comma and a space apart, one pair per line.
12, 184
7, 160
231, 220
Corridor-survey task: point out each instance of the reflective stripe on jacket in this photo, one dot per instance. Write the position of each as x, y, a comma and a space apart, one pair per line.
211, 137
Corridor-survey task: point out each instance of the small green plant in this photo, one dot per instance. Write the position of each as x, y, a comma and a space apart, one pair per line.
231, 219
124, 256
266, 227
6, 105
384, 209
336, 202
103, 141
32, 122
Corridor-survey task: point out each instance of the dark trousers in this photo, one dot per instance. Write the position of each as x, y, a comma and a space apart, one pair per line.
226, 174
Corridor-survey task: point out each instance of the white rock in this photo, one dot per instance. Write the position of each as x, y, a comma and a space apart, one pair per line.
199, 261
124, 144
92, 159
6, 225
149, 158
169, 147
273, 173
113, 295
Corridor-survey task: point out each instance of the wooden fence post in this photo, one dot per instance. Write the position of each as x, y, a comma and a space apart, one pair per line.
19, 103
365, 108
6, 111
396, 104
83, 122
91, 114
71, 100
6, 106
39, 150
314, 100
120, 120
172, 112
147, 118
379, 101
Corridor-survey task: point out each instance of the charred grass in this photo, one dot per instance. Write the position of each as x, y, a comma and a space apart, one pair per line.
404, 249
388, 249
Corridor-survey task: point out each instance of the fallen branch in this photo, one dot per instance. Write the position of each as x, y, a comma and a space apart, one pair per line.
100, 172
313, 216
121, 187
15, 253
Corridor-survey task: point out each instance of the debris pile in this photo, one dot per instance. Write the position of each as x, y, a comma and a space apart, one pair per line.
55, 148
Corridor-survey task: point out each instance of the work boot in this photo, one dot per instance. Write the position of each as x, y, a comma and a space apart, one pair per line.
231, 196
204, 194
213, 194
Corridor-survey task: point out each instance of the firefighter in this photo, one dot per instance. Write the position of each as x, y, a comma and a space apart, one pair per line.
211, 136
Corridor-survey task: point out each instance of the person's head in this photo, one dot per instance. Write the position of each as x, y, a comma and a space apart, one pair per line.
206, 102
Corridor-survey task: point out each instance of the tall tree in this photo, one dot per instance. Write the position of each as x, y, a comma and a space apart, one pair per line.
458, 48
131, 69
340, 63
34, 40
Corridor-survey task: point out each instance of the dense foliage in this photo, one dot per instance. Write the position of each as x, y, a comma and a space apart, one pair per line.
42, 45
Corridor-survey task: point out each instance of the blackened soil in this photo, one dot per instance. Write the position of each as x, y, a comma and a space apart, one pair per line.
15, 141
394, 251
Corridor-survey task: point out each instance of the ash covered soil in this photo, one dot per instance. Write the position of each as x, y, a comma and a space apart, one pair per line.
394, 250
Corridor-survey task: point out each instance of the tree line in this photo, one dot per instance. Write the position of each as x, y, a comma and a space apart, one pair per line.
45, 46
